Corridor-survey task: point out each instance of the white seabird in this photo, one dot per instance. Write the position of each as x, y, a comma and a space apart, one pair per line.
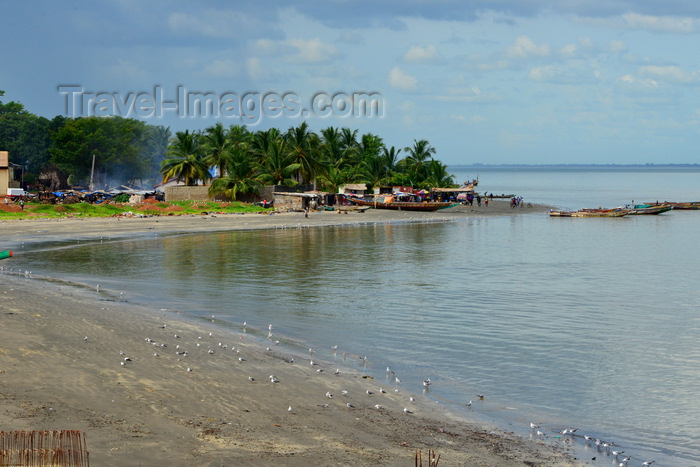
406, 410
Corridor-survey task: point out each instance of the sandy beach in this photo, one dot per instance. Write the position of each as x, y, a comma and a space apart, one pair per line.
73, 358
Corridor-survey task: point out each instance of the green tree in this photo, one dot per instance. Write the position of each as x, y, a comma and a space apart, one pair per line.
418, 155
333, 177
185, 160
116, 144
277, 166
216, 147
156, 148
437, 176
304, 146
240, 177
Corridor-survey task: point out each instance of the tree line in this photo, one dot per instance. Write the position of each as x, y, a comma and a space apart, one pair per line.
59, 152
246, 161
233, 160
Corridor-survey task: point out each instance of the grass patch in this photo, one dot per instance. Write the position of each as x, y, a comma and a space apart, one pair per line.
177, 208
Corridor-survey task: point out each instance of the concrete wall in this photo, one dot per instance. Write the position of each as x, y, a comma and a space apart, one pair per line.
4, 172
186, 193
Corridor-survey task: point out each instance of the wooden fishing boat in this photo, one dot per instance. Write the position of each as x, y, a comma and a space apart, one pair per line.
427, 206
553, 213
598, 212
5, 254
640, 209
695, 205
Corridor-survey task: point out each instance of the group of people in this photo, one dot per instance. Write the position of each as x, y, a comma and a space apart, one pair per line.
516, 201
470, 200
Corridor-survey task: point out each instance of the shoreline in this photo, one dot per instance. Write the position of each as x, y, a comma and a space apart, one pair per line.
17, 231
152, 410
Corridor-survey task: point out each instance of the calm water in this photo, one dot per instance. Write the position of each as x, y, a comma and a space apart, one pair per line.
593, 323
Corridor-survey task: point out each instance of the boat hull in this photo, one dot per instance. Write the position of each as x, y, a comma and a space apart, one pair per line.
5, 254
650, 209
591, 213
404, 206
688, 206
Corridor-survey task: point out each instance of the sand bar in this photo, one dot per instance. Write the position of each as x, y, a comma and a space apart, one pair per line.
153, 411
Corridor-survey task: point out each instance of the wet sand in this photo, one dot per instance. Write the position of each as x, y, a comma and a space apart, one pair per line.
153, 411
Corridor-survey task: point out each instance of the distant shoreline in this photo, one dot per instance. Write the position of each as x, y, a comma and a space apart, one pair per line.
575, 166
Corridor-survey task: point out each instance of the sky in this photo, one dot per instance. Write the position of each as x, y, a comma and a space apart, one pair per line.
484, 81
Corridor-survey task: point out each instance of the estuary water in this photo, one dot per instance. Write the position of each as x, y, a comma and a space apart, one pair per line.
587, 323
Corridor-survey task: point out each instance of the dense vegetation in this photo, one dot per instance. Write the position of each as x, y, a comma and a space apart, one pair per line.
245, 161
60, 152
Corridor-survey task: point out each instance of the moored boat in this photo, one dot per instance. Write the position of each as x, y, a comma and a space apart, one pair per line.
599, 212
553, 213
388, 203
695, 205
640, 209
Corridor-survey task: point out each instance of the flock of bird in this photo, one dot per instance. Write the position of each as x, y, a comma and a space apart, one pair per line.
606, 447
201, 345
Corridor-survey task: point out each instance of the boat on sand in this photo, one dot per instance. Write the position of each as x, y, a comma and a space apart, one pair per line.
387, 202
597, 212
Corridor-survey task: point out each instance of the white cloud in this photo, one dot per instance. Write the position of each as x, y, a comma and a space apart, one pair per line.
402, 80
524, 47
568, 50
265, 46
617, 47
227, 68
634, 83
210, 23
255, 69
658, 23
670, 73
418, 54
311, 51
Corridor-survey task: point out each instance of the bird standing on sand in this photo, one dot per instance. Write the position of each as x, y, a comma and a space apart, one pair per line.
533, 426
406, 410
648, 463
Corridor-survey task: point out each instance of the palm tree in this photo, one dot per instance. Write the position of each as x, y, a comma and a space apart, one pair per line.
185, 160
304, 145
216, 147
277, 166
438, 176
331, 147
333, 177
262, 140
240, 177
418, 155
391, 157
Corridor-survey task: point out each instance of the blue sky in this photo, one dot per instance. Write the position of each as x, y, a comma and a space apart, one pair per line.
488, 81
